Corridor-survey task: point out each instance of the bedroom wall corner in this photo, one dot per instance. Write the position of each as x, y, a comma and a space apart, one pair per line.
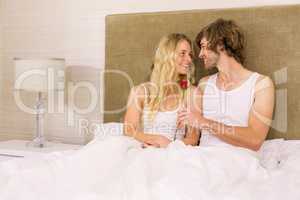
1, 63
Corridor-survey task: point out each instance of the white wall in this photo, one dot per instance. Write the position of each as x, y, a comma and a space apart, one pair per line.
73, 29
88, 18
1, 66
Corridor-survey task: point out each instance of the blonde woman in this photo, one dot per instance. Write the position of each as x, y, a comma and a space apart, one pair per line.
152, 107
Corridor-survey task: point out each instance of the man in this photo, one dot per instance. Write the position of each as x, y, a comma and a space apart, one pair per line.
235, 105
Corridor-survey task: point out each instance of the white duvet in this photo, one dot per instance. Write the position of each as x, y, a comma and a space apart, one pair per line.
118, 168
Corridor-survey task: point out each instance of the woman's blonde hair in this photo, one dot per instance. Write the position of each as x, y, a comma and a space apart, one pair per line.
164, 78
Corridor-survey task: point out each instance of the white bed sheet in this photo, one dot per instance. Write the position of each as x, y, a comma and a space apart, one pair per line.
117, 168
275, 152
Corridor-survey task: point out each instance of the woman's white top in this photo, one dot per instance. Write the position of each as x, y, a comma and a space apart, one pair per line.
227, 107
163, 123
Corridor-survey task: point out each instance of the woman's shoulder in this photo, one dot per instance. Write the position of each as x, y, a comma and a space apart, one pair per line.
138, 95
142, 88
141, 91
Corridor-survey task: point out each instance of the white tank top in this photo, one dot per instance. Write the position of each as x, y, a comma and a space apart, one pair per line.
227, 107
164, 123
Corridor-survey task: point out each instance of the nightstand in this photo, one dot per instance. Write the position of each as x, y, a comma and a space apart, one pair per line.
19, 148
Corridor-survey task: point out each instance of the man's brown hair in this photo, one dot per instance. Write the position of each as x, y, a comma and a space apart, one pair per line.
225, 33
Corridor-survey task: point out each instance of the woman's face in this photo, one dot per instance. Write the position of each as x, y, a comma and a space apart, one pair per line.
183, 58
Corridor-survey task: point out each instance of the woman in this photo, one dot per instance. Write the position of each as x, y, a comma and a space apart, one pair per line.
155, 104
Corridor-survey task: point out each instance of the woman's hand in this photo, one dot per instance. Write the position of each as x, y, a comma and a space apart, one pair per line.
158, 141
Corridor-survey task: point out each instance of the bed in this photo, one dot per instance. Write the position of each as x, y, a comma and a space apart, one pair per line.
273, 49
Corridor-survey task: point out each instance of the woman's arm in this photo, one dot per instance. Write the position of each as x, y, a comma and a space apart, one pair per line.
132, 120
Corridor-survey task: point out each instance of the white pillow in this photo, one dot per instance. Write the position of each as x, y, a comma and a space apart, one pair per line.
108, 129
269, 153
288, 149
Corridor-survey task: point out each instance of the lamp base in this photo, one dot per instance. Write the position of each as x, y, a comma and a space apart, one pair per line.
39, 142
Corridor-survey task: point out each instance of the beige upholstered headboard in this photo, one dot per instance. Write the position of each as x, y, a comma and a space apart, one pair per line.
273, 48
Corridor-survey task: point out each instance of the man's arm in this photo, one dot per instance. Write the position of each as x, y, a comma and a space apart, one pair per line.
192, 136
260, 118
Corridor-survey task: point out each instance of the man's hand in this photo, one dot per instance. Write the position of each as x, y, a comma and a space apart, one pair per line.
190, 118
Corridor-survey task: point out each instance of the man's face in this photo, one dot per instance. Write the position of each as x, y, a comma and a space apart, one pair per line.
209, 57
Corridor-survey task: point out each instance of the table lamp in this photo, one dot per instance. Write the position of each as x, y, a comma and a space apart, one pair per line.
40, 76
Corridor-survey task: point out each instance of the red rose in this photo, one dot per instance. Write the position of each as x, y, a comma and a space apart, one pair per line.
183, 84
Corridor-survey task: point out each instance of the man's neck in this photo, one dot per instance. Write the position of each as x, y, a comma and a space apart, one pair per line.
230, 71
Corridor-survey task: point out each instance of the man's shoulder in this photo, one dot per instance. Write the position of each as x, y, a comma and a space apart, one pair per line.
205, 78
203, 81
263, 82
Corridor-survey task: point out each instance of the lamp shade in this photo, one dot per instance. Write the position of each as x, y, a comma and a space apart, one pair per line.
39, 75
